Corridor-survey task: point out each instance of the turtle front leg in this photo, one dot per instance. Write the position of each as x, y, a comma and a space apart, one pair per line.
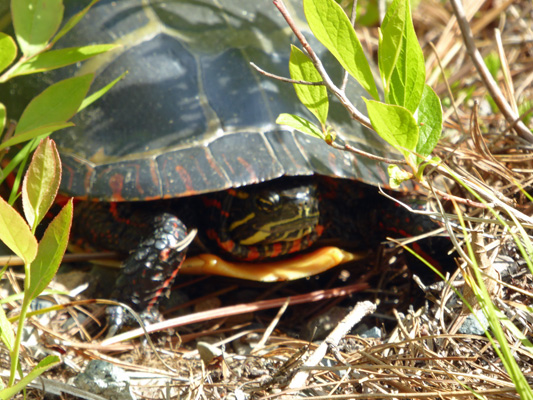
149, 270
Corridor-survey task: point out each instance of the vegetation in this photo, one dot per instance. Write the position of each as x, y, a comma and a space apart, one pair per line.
36, 27
410, 120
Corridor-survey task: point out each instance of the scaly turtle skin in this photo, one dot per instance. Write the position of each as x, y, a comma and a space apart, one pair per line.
191, 127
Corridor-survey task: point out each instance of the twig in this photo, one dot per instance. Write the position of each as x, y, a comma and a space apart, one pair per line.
488, 80
239, 309
282, 78
350, 148
361, 310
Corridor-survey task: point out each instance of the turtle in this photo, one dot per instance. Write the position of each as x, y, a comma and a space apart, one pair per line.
189, 140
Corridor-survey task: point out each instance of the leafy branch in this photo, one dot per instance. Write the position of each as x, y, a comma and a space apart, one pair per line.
410, 116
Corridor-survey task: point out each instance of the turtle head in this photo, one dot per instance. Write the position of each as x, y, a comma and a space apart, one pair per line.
270, 219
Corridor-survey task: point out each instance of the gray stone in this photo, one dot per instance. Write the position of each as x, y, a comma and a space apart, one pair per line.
106, 380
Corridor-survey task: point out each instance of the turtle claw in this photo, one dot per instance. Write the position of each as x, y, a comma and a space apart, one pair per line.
121, 316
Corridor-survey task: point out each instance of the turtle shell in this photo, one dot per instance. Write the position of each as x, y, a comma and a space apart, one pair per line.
192, 116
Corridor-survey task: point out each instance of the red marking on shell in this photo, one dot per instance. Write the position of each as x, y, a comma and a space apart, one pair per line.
116, 183
215, 167
87, 180
186, 179
332, 161
249, 169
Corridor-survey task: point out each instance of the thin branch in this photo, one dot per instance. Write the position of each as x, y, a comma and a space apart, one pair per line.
488, 80
350, 148
283, 79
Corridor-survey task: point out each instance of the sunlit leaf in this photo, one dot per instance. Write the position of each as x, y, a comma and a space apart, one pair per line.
51, 250
409, 73
315, 98
44, 365
16, 234
59, 58
8, 51
429, 122
56, 104
35, 23
41, 182
332, 27
300, 124
395, 124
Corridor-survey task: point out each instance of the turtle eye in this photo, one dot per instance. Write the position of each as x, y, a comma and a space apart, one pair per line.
267, 203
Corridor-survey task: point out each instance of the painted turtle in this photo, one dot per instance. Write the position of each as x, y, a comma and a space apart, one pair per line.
192, 129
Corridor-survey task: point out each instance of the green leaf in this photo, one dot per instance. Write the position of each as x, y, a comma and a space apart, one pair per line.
51, 250
6, 331
41, 182
99, 93
409, 74
395, 125
56, 104
390, 39
45, 364
3, 118
35, 23
59, 58
300, 124
72, 22
16, 234
429, 122
332, 27
8, 51
34, 133
315, 98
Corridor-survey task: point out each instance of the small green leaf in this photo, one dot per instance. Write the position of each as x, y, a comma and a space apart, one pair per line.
35, 133
409, 74
332, 27
51, 250
44, 365
395, 125
315, 98
3, 118
59, 58
41, 182
6, 331
56, 104
99, 93
429, 122
35, 23
16, 234
8, 51
390, 39
300, 124
72, 22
